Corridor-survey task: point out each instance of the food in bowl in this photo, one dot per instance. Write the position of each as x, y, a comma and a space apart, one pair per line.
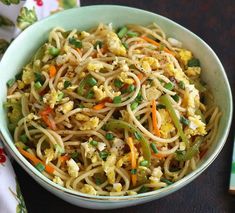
112, 111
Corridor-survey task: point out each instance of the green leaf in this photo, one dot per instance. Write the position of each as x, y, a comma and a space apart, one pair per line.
8, 2
26, 18
67, 4
4, 21
3, 45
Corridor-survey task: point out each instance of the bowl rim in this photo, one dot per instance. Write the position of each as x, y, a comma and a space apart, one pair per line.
29, 168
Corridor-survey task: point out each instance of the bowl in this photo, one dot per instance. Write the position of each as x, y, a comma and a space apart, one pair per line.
25, 45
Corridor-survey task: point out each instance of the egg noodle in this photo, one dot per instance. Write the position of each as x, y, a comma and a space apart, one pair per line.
112, 111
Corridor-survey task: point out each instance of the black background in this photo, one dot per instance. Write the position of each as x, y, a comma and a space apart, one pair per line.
213, 21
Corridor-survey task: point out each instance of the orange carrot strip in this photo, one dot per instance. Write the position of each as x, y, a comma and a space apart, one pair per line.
157, 44
101, 105
52, 71
35, 160
154, 119
133, 159
140, 76
79, 51
49, 121
158, 155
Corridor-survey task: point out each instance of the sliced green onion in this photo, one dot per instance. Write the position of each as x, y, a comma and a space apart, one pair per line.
161, 106
67, 84
176, 98
184, 120
132, 34
18, 76
60, 96
37, 85
10, 82
125, 45
134, 105
166, 181
90, 94
23, 138
75, 42
122, 32
133, 171
94, 143
132, 66
74, 156
169, 86
81, 106
143, 189
181, 85
103, 155
131, 88
194, 62
137, 135
139, 98
40, 167
38, 77
98, 181
117, 99
144, 163
154, 148
54, 51
91, 81
98, 44
109, 136
118, 83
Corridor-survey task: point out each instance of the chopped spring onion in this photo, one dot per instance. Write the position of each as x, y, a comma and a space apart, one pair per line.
109, 136
161, 106
184, 120
91, 81
176, 98
154, 148
194, 62
169, 86
75, 42
144, 163
143, 189
166, 181
103, 155
37, 85
134, 105
38, 77
117, 99
67, 84
133, 171
40, 167
118, 83
98, 44
10, 82
90, 94
94, 143
131, 88
122, 32
23, 138
125, 45
137, 136
181, 85
132, 34
60, 96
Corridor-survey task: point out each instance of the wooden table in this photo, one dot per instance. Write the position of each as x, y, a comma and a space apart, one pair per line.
214, 22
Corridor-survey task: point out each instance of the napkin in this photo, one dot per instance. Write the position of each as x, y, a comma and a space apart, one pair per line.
15, 16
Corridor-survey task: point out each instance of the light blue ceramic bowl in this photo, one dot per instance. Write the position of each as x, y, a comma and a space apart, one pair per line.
25, 45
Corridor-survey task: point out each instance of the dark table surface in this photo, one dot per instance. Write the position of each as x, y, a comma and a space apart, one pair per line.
213, 21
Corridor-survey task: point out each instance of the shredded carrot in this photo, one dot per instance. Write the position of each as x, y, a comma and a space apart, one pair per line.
79, 51
154, 119
52, 71
46, 117
63, 159
133, 159
101, 105
158, 155
35, 160
140, 76
157, 44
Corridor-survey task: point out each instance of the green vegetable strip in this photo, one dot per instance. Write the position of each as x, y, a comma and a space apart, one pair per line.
122, 32
166, 101
193, 150
118, 124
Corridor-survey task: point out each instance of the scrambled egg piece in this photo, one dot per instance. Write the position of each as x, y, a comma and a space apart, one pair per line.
196, 126
167, 127
58, 180
89, 149
91, 124
109, 166
88, 189
101, 146
81, 75
193, 99
117, 187
20, 84
49, 154
95, 66
27, 76
61, 59
31, 117
51, 98
131, 193
124, 160
149, 63
193, 71
73, 168
66, 107
152, 93
156, 175
124, 78
178, 74
99, 92
185, 56
82, 117
115, 45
